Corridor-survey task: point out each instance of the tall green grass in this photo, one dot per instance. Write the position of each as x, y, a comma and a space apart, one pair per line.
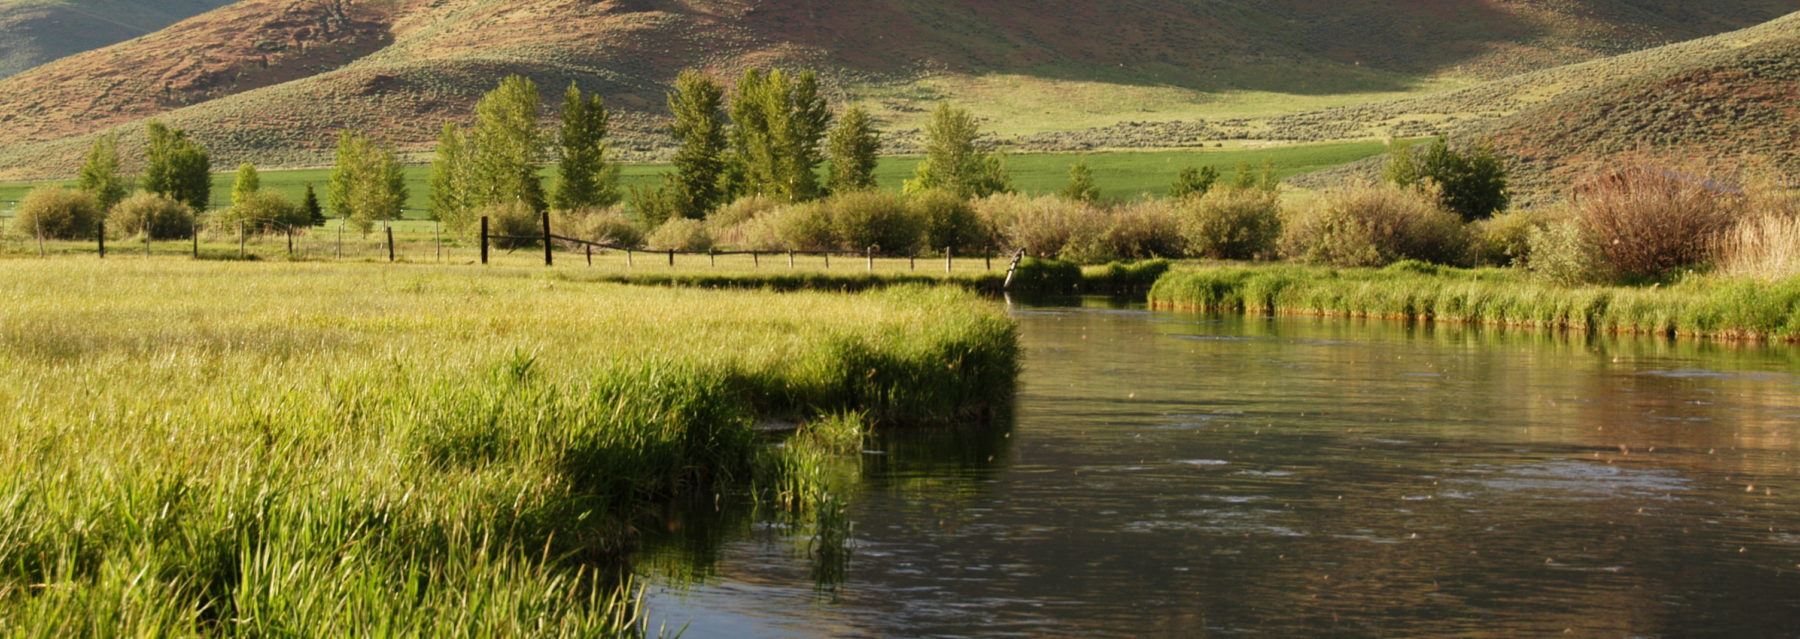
1700, 306
204, 448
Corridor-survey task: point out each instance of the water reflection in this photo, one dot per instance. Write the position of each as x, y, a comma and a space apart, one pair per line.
1185, 475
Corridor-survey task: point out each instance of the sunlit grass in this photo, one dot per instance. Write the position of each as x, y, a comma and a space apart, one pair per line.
335, 450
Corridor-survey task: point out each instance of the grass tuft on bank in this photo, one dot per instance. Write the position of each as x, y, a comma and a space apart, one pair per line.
1699, 306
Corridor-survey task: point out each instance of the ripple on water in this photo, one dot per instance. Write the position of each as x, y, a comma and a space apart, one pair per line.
1582, 481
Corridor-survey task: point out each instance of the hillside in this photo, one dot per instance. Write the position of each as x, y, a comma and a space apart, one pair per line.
1721, 97
270, 80
33, 32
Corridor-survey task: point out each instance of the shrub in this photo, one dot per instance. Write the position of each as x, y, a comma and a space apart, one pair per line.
607, 225
1505, 239
861, 219
1143, 230
1369, 225
1767, 246
262, 211
1560, 252
57, 213
1046, 226
742, 210
1232, 223
1645, 222
680, 234
509, 220
949, 221
1471, 183
161, 216
801, 227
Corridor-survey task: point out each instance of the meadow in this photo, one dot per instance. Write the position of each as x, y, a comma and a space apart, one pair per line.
308, 449
1121, 175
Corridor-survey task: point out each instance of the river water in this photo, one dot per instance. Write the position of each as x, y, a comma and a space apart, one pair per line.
1187, 475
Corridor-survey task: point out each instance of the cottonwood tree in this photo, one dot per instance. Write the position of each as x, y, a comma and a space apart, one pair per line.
177, 166
453, 198
368, 183
507, 145
699, 128
778, 122
953, 163
99, 173
584, 177
855, 149
246, 184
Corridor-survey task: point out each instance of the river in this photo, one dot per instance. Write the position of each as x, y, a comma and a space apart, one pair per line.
1186, 475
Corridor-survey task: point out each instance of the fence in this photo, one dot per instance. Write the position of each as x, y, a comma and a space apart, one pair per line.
426, 242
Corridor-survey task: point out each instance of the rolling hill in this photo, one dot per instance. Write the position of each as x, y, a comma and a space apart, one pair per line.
1722, 97
33, 32
270, 80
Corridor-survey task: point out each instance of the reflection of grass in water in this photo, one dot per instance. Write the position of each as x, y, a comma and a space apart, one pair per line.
319, 449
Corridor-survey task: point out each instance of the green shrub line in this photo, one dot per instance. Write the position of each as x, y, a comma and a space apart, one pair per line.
207, 448
1708, 307
1033, 277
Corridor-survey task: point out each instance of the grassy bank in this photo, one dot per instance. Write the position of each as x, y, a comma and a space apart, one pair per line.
320, 450
1707, 307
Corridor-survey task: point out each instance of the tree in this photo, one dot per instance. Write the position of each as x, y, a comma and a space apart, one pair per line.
584, 177
247, 184
55, 212
368, 183
1081, 183
310, 204
452, 180
1194, 182
855, 147
1471, 183
506, 145
952, 162
699, 128
99, 174
778, 122
177, 166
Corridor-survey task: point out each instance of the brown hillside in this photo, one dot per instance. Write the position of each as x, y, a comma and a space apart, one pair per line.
270, 80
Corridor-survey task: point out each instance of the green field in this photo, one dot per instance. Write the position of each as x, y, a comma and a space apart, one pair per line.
210, 448
1120, 175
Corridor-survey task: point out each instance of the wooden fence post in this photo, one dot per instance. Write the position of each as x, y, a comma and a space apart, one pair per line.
437, 234
790, 259
990, 257
484, 239
196, 229
671, 257
869, 254
102, 236
949, 259
590, 253
755, 259
390, 241
290, 238
40, 236
548, 260
712, 257
1012, 269
146, 240
628, 257
827, 259
912, 261
241, 239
